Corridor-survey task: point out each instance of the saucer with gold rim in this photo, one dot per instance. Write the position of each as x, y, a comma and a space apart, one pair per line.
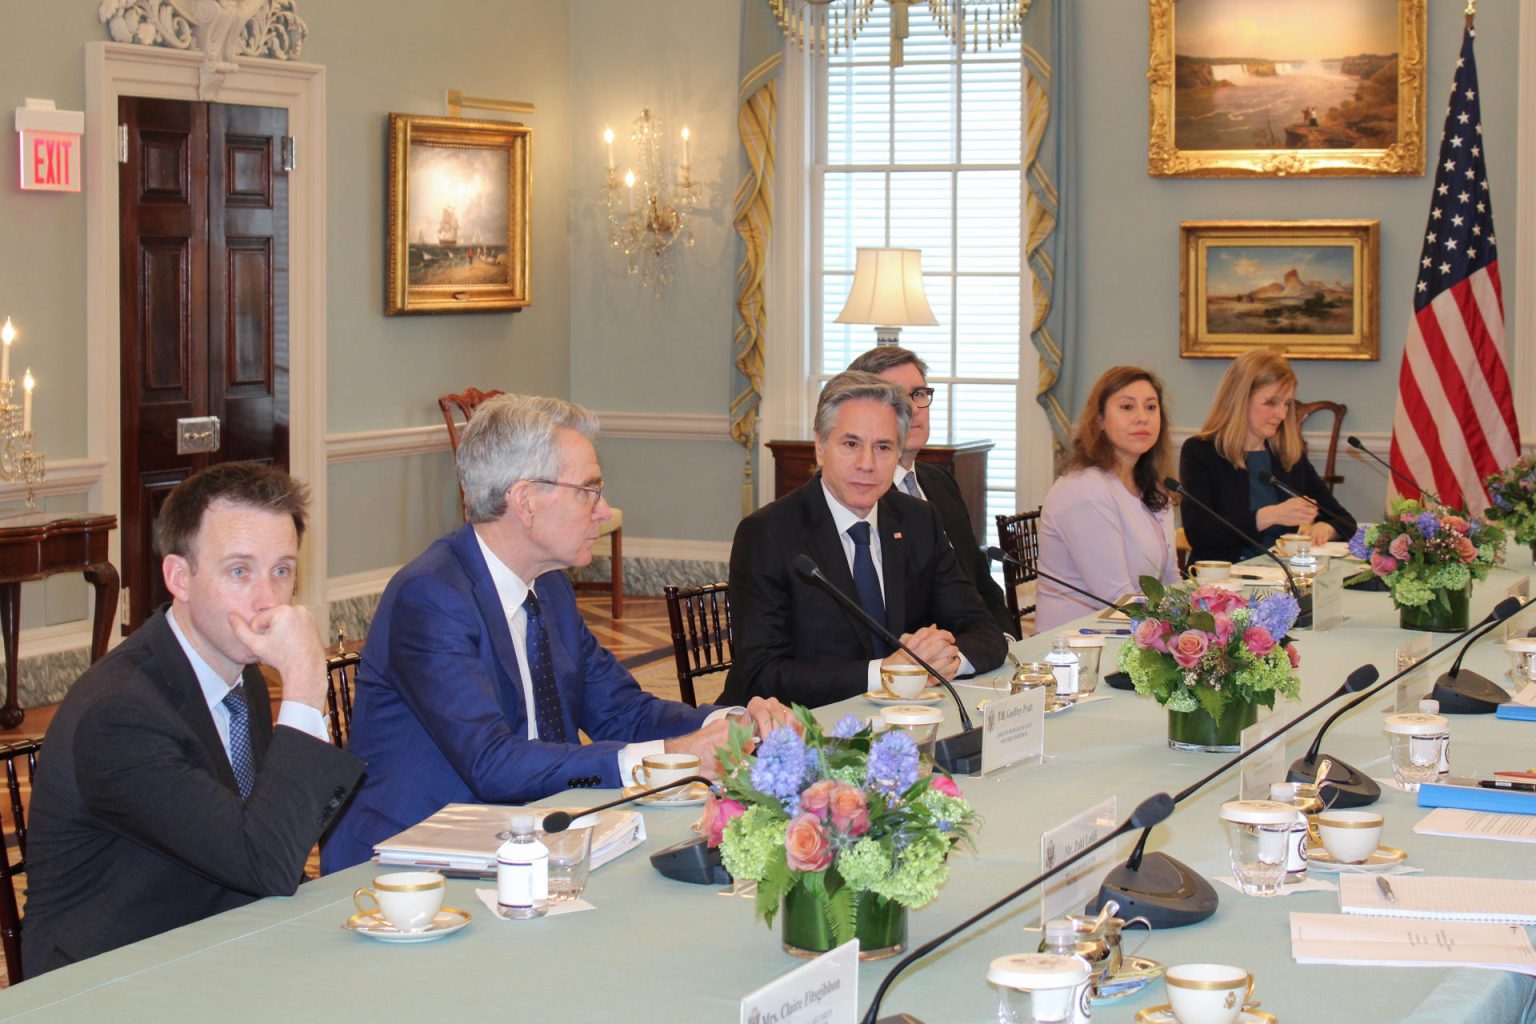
689, 796
926, 697
1384, 859
373, 925
1164, 1015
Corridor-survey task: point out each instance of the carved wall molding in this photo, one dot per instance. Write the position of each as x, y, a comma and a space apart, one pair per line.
221, 30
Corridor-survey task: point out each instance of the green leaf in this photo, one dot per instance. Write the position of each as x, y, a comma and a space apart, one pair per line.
1201, 620
1151, 588
1213, 701
841, 910
776, 881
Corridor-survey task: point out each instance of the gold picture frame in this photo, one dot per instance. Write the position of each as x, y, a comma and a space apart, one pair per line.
1334, 98
458, 215
1306, 288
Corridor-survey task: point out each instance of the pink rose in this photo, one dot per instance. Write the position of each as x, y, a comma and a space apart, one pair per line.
818, 798
1294, 655
1382, 564
805, 844
1189, 647
1399, 546
719, 813
1258, 640
1466, 549
943, 784
850, 814
1407, 517
1454, 523
1216, 599
1151, 635
1224, 628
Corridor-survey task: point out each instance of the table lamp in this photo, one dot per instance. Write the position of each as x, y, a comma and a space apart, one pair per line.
887, 292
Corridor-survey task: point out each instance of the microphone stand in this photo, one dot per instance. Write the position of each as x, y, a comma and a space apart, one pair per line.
959, 754
1354, 442
1167, 892
1303, 603
1266, 477
1351, 787
1149, 812
559, 821
1469, 693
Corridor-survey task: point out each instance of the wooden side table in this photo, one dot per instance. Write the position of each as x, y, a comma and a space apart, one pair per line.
37, 545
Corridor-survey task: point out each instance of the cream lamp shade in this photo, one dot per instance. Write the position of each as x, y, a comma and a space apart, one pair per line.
887, 292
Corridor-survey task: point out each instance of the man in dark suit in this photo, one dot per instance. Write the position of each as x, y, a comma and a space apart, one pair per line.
164, 794
885, 549
927, 481
478, 671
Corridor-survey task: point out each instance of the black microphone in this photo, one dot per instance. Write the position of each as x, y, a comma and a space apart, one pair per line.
1351, 787
1469, 693
959, 754
1304, 603
1344, 525
559, 821
1149, 812
1354, 442
1167, 892
689, 861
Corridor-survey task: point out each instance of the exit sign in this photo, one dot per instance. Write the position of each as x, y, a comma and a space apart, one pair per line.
50, 146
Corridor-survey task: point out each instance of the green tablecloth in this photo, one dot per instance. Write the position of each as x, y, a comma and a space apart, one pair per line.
657, 950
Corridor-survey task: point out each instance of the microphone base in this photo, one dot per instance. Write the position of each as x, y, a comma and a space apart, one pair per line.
1165, 891
1468, 693
1120, 681
959, 754
1349, 788
692, 861
1304, 616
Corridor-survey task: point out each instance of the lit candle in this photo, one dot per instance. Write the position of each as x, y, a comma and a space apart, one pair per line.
685, 151
8, 335
27, 384
608, 138
629, 183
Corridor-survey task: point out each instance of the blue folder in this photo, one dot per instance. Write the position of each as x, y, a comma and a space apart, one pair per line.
1517, 712
1475, 798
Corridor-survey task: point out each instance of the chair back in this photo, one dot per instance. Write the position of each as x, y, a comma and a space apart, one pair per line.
457, 409
340, 677
1019, 537
701, 633
15, 863
1338, 409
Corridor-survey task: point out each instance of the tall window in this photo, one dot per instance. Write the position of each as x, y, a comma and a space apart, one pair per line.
928, 156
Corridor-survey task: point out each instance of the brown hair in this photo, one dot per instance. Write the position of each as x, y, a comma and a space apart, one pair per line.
1091, 448
251, 484
1227, 424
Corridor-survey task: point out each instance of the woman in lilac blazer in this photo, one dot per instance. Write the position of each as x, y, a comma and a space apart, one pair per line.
1107, 520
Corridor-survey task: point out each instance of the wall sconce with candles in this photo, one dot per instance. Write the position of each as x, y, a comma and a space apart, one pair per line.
18, 460
888, 292
648, 211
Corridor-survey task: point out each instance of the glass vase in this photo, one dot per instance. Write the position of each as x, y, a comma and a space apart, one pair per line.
881, 927
1197, 730
1449, 611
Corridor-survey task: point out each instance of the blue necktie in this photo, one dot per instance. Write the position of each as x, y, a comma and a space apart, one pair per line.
547, 716
240, 757
866, 581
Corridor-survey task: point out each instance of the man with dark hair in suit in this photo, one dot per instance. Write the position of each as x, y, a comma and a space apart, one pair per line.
884, 549
164, 794
924, 480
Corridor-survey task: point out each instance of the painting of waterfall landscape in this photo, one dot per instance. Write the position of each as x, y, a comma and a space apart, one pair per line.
1287, 86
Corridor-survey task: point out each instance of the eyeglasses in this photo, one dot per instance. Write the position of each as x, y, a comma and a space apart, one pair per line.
594, 494
921, 397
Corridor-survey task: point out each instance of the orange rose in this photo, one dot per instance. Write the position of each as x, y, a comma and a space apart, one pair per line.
850, 814
817, 797
805, 845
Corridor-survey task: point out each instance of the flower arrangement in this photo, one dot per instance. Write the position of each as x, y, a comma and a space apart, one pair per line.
840, 814
1513, 493
1203, 648
1421, 554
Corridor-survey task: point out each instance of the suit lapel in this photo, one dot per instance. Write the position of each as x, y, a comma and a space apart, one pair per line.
259, 700
186, 694
467, 550
893, 564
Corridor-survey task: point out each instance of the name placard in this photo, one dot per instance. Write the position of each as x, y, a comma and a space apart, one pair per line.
1268, 765
1413, 686
1013, 730
824, 991
1522, 590
1072, 888
1327, 600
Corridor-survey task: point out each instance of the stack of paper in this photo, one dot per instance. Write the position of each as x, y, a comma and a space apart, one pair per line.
1441, 898
1464, 824
1397, 942
462, 838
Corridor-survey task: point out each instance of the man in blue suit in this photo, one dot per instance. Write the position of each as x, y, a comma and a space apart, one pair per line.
478, 671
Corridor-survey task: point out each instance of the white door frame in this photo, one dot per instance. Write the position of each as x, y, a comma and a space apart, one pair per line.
118, 69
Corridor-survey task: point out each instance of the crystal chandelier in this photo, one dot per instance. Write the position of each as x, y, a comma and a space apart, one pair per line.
823, 25
648, 211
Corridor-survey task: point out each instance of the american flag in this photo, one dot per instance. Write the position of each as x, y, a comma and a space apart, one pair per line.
1455, 419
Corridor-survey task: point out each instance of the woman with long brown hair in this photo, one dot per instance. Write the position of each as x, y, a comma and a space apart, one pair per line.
1107, 520
1252, 429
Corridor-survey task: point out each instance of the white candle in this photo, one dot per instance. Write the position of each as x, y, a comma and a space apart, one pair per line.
608, 138
629, 183
27, 384
685, 150
7, 335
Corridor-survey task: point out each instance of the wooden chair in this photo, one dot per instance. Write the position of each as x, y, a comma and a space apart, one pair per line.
10, 912
340, 678
1019, 537
457, 409
1338, 409
702, 641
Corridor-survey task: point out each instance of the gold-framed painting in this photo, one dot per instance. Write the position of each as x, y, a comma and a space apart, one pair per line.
458, 208
1277, 88
1305, 288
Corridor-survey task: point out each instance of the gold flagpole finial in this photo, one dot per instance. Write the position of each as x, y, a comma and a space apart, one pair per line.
1471, 10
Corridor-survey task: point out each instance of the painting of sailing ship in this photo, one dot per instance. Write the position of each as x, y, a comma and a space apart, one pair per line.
456, 212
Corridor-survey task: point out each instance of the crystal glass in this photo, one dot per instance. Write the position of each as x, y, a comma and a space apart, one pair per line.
1415, 759
570, 862
1258, 856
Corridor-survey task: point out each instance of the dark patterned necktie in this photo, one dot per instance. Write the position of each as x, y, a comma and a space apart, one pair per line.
240, 757
909, 484
547, 716
866, 581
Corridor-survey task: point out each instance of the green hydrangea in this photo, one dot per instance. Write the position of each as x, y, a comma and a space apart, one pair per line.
1410, 592
853, 774
948, 809
864, 864
1271, 672
1182, 700
750, 840
1453, 576
920, 870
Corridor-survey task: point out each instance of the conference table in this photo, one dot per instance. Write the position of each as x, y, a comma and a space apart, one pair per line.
659, 950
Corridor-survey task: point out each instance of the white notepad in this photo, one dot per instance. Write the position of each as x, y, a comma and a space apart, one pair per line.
1380, 942
1465, 824
1441, 898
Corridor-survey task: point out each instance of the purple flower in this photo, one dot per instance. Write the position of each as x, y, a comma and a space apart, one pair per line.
1428, 523
1276, 613
1357, 546
782, 766
1500, 501
892, 763
847, 727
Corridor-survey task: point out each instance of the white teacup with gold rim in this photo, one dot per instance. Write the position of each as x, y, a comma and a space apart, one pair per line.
1207, 993
1350, 837
1294, 543
1212, 571
656, 770
903, 681
408, 900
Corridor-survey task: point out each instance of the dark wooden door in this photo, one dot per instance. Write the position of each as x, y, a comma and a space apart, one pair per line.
204, 301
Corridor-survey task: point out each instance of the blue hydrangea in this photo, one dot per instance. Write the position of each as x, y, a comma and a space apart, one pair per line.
782, 766
1276, 613
847, 727
1500, 502
892, 763
1428, 523
1357, 546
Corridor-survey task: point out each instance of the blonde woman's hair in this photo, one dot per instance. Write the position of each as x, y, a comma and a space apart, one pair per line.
1227, 424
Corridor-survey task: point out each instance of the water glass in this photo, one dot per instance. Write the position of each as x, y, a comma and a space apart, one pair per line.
570, 859
1089, 651
1416, 742
1039, 988
1258, 839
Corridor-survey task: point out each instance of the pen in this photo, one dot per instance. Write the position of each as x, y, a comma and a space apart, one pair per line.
1518, 787
1386, 889
1105, 632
